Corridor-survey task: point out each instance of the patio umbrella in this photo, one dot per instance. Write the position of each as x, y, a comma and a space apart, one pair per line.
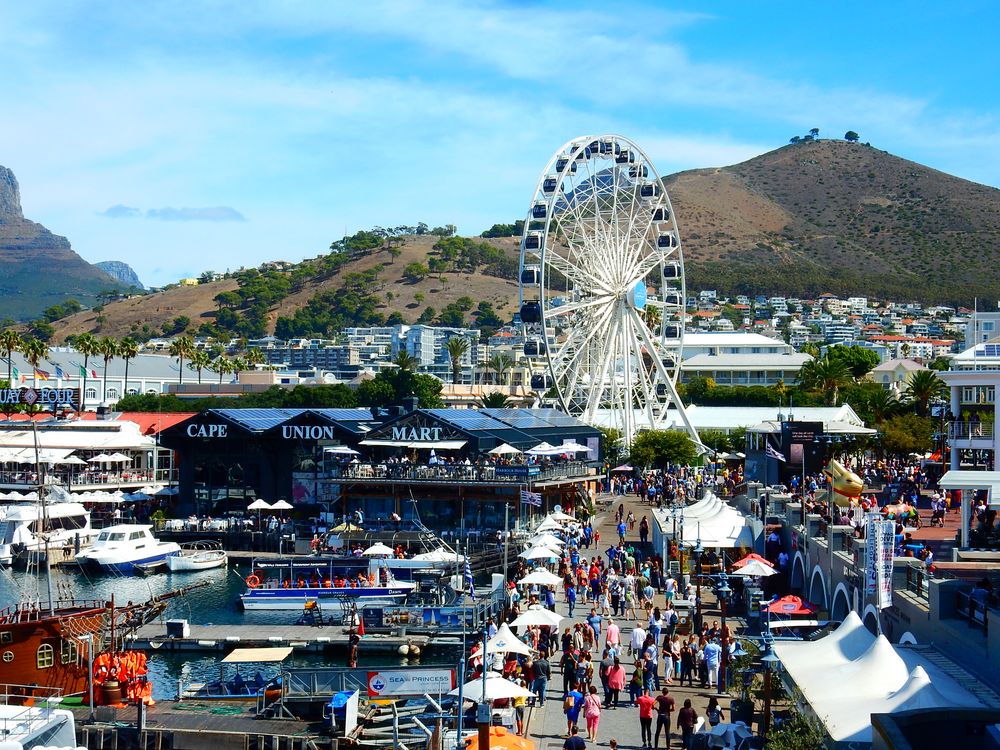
72, 461
540, 552
572, 447
537, 616
791, 605
259, 504
546, 540
623, 467
119, 458
505, 642
100, 458
750, 558
549, 524
558, 515
496, 687
540, 450
755, 569
503, 449
542, 578
282, 505
378, 550
341, 450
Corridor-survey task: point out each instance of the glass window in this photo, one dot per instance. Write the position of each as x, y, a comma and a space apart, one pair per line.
91, 393
138, 535
67, 652
45, 656
112, 393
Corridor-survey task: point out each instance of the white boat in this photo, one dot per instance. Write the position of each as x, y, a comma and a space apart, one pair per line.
24, 532
197, 556
30, 727
118, 548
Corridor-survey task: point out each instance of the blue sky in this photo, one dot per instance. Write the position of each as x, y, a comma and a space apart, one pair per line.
183, 136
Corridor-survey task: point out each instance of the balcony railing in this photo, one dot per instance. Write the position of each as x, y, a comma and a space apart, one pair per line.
973, 609
970, 430
516, 474
29, 479
916, 581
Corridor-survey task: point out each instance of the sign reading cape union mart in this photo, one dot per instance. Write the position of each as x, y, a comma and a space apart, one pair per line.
39, 396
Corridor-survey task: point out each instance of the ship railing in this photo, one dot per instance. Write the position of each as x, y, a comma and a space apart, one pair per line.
26, 613
37, 703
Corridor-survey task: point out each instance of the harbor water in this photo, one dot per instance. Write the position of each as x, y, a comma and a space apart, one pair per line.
215, 604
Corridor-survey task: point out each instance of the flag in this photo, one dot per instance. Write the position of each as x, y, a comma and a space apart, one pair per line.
16, 373
361, 624
469, 582
59, 372
41, 374
771, 452
85, 374
531, 498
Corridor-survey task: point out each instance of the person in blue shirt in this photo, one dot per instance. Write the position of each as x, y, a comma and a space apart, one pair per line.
594, 621
622, 528
571, 598
713, 657
550, 598
573, 709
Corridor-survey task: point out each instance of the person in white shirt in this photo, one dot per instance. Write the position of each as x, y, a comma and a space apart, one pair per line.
670, 588
637, 639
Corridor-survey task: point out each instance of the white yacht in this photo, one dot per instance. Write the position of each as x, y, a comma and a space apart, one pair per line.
23, 531
34, 728
118, 548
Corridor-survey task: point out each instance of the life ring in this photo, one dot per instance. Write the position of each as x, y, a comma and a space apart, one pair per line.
253, 581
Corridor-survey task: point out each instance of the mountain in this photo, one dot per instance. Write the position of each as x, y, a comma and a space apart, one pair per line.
121, 271
38, 268
826, 216
832, 216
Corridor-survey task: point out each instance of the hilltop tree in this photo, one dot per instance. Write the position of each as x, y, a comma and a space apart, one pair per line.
415, 271
814, 132
851, 137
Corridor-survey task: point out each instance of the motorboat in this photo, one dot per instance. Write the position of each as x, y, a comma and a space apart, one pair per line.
197, 556
29, 727
118, 548
26, 530
289, 583
238, 688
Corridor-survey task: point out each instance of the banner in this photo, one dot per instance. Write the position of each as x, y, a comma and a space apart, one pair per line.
871, 553
886, 548
412, 682
51, 397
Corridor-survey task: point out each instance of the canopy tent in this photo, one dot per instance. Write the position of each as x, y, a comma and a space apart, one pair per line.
623, 468
378, 550
791, 605
755, 569
540, 552
711, 522
503, 449
341, 450
851, 674
257, 655
541, 578
505, 642
537, 616
496, 687
546, 540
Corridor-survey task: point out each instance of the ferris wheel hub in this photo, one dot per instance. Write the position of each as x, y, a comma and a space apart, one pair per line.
637, 295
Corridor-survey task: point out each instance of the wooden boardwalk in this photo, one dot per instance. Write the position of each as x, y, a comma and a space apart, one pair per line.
300, 637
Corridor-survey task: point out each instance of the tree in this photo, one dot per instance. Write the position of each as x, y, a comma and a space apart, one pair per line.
394, 252
107, 347
941, 364
406, 362
255, 357
494, 400
826, 375
86, 344
219, 365
924, 387
10, 342
34, 350
859, 360
128, 349
881, 405
415, 271
41, 330
814, 132
660, 448
199, 361
457, 347
795, 139
797, 733
182, 348
907, 433
851, 137
500, 364
612, 445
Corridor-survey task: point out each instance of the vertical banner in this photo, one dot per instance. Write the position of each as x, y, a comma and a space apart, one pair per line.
887, 539
872, 520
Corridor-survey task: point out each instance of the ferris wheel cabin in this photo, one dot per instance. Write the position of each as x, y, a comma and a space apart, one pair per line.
661, 213
533, 241
666, 241
531, 275
561, 163
671, 270
534, 348
539, 210
649, 190
550, 184
531, 313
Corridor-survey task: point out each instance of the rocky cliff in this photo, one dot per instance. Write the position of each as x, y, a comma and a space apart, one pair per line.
122, 271
38, 268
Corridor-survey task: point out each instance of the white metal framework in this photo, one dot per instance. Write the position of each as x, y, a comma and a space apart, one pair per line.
602, 288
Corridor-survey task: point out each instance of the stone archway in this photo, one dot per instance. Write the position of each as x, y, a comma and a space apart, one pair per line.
907, 639
817, 589
841, 603
798, 581
871, 620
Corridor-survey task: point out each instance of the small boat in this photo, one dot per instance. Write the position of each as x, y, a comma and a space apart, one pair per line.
26, 727
197, 556
237, 688
118, 548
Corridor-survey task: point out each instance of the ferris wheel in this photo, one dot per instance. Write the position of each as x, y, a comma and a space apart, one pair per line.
602, 291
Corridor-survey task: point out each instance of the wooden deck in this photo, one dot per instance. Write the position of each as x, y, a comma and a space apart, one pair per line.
300, 637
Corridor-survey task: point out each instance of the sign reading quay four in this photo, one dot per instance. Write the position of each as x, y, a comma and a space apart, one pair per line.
42, 396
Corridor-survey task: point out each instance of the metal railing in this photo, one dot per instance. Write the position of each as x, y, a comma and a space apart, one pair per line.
975, 611
37, 704
916, 581
970, 430
518, 474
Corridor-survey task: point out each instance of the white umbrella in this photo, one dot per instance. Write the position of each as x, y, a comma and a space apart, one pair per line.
503, 449
341, 450
572, 447
540, 449
539, 552
259, 504
282, 505
505, 642
73, 460
101, 458
438, 555
549, 525
561, 517
119, 458
497, 687
755, 569
542, 578
546, 540
537, 616
378, 549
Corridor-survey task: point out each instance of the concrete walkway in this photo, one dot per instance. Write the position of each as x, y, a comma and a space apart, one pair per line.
547, 725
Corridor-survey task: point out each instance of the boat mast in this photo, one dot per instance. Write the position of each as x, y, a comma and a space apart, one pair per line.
43, 499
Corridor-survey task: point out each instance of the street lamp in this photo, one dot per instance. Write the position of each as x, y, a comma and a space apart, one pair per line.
723, 592
770, 662
697, 552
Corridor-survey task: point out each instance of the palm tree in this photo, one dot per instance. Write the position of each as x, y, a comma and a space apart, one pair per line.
494, 400
826, 375
404, 361
34, 351
882, 405
128, 349
500, 364
199, 361
181, 347
457, 346
10, 342
107, 347
255, 357
924, 387
220, 365
86, 344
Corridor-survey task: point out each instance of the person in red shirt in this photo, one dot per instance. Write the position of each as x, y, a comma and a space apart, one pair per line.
687, 718
646, 703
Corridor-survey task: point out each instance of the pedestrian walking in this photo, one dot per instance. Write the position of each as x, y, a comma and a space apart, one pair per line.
714, 712
665, 705
572, 705
592, 713
646, 704
574, 741
687, 719
542, 670
616, 683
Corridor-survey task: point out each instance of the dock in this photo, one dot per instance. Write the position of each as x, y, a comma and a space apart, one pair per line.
154, 637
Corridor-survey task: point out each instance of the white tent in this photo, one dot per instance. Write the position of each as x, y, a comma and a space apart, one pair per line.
378, 550
537, 616
851, 674
505, 642
540, 552
546, 540
755, 569
503, 449
497, 687
542, 578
